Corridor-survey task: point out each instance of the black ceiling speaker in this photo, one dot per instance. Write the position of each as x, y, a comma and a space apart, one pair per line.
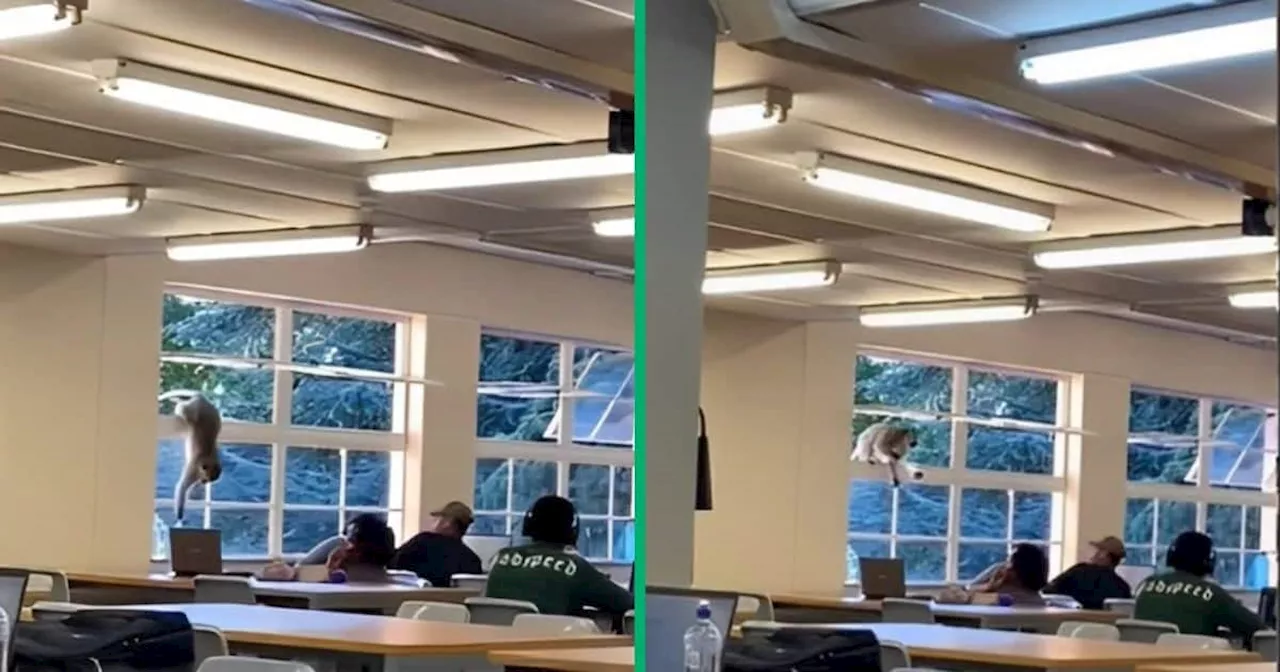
622, 132
1257, 218
702, 500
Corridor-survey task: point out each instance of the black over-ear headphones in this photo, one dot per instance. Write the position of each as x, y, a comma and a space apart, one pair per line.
545, 521
1192, 552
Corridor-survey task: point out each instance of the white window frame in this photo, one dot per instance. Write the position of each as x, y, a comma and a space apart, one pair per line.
957, 477
563, 451
280, 434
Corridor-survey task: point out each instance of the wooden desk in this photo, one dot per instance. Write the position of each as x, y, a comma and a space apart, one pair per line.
616, 659
1237, 667
834, 608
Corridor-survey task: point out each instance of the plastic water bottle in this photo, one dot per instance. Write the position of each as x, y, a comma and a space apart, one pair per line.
702, 643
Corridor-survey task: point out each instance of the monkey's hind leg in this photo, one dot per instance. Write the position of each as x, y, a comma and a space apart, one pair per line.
181, 490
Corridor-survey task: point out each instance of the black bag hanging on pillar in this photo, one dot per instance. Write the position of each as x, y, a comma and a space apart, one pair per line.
801, 650
702, 500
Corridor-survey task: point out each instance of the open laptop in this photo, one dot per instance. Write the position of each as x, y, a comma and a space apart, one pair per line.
669, 612
13, 589
194, 551
882, 577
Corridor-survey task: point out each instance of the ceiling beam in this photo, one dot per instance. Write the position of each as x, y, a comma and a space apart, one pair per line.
808, 8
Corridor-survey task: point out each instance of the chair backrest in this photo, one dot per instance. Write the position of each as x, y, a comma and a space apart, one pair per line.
894, 656
54, 611
1086, 630
1193, 641
552, 626
209, 643
759, 605
896, 610
241, 664
496, 611
629, 622
763, 627
223, 589
1134, 630
1265, 645
438, 612
59, 586
1267, 606
1119, 605
472, 581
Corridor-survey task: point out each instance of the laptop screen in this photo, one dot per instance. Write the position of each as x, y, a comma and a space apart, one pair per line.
13, 587
669, 612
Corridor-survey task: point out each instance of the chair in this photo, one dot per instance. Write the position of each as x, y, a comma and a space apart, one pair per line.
209, 643
59, 586
897, 610
1193, 641
552, 626
894, 656
629, 622
1121, 606
1267, 606
760, 606
1086, 630
239, 664
438, 612
495, 611
223, 590
54, 611
1147, 632
472, 581
1265, 645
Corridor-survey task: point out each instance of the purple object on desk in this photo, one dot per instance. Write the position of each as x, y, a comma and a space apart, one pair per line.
337, 576
1005, 600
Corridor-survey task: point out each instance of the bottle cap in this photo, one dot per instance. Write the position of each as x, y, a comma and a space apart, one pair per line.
704, 609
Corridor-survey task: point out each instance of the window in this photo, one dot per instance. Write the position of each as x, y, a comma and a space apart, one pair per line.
309, 398
988, 443
528, 390
1170, 438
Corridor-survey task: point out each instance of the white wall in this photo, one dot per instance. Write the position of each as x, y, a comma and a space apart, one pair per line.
778, 397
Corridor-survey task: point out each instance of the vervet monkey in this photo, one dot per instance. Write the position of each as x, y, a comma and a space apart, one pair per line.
887, 444
202, 422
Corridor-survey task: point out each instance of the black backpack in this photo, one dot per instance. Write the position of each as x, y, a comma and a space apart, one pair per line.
801, 650
106, 640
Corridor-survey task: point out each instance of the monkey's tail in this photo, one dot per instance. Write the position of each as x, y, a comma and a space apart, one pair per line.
179, 394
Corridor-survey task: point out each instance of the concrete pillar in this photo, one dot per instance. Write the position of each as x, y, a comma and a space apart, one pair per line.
1099, 406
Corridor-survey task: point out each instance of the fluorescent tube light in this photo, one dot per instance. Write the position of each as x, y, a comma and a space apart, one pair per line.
279, 243
772, 278
37, 17
951, 312
1202, 36
927, 194
529, 165
1210, 242
1261, 295
240, 106
748, 110
615, 227
87, 203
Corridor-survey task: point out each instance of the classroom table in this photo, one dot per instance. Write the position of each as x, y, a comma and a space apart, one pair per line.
90, 588
1226, 667
615, 659
948, 647
799, 608
344, 641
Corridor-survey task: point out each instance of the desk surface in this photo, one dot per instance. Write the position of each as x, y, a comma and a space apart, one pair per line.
281, 588
615, 659
953, 610
365, 634
998, 647
1236, 667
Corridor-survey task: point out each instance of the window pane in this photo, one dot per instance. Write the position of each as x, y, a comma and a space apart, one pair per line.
524, 375
1032, 516
368, 478
1224, 523
1174, 519
244, 395
589, 490
246, 474
217, 328
1162, 442
1253, 527
1008, 450
1001, 395
312, 476
984, 514
924, 560
320, 401
492, 480
622, 484
923, 510
1139, 521
304, 529
489, 525
863, 548
244, 533
975, 557
1140, 555
902, 384
593, 538
529, 481
624, 540
170, 458
1239, 442
1227, 570
933, 440
607, 417
870, 507
352, 343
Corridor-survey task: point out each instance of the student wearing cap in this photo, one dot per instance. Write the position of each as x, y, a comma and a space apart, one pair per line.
1094, 581
549, 572
1186, 597
439, 553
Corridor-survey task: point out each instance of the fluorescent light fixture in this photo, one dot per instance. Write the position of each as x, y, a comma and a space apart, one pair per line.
949, 312
279, 243
240, 106
530, 165
87, 203
1210, 242
28, 18
925, 193
776, 277
618, 223
1260, 295
748, 110
1201, 36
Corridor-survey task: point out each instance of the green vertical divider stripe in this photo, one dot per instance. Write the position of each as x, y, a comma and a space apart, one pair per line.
639, 320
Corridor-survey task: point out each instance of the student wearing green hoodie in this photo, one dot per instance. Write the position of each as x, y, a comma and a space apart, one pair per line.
1186, 597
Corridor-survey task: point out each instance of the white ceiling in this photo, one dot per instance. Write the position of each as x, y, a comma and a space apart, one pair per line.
57, 131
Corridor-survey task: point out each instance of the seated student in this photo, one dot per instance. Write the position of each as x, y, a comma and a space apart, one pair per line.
319, 554
1095, 581
366, 552
549, 572
1022, 577
1186, 597
439, 553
